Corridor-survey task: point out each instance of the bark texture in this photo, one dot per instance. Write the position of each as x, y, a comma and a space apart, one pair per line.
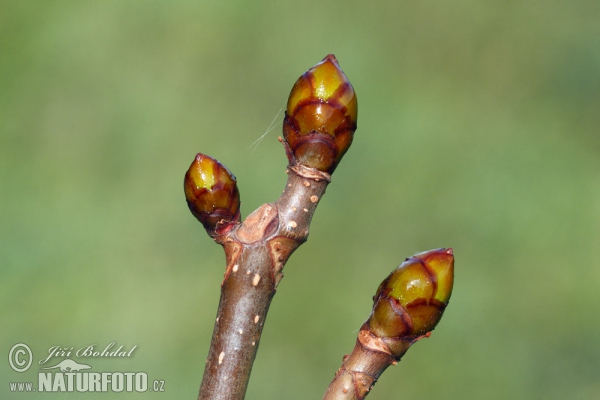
361, 369
256, 252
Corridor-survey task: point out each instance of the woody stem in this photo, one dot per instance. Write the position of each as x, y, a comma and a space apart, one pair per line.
256, 251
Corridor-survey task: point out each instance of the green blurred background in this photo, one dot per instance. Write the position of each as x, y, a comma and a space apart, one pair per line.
478, 129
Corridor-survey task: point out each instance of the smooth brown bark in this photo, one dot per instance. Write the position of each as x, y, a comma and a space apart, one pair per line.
361, 369
256, 252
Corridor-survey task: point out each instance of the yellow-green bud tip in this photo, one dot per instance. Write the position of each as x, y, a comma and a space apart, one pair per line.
321, 116
211, 193
410, 302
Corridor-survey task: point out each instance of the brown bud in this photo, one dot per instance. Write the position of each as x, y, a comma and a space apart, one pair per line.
320, 119
212, 194
410, 302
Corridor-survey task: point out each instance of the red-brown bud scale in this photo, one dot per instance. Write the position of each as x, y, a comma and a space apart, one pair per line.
211, 193
320, 119
410, 302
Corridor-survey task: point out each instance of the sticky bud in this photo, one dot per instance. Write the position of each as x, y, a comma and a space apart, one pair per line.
320, 119
212, 194
411, 301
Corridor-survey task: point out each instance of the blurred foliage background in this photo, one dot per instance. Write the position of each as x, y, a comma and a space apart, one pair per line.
478, 129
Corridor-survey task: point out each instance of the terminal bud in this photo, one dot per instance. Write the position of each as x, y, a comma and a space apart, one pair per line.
411, 301
212, 194
320, 119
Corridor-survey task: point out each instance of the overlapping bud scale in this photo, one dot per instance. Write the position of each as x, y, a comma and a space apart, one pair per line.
320, 119
211, 193
410, 302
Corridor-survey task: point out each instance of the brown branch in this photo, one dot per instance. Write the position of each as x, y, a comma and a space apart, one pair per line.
256, 252
361, 369
318, 129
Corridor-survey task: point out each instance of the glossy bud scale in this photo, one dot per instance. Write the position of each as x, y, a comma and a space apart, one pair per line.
410, 302
320, 119
211, 193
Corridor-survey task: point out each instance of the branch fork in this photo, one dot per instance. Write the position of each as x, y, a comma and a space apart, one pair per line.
318, 129
256, 251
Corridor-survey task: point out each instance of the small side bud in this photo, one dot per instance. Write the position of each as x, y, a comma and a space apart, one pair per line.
320, 119
411, 301
212, 194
